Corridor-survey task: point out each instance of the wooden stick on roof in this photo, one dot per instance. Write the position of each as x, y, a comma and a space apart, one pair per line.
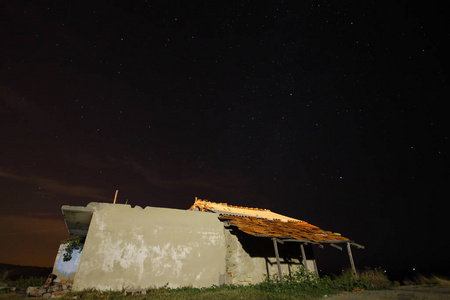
115, 197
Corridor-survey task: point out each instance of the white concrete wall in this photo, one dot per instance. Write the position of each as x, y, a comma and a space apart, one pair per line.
311, 266
141, 248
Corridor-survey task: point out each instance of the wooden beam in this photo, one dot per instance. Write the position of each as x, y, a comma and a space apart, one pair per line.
336, 246
296, 241
275, 246
304, 242
352, 263
302, 248
279, 241
357, 245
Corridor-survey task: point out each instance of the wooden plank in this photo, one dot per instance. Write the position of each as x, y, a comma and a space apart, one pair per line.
357, 245
275, 246
336, 246
352, 263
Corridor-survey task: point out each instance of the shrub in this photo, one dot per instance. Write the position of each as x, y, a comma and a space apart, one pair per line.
72, 244
375, 278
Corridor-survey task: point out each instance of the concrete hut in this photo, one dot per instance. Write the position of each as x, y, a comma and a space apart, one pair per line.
209, 244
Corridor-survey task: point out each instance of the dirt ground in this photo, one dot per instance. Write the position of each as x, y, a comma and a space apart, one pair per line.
432, 292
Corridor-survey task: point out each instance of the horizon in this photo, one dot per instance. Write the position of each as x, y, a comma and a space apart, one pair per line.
341, 265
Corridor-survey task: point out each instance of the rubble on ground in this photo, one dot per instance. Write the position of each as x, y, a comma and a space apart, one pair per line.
50, 289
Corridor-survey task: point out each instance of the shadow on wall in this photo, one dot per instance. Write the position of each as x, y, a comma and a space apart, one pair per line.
289, 252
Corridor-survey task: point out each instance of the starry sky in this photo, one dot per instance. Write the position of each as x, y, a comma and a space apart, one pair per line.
332, 112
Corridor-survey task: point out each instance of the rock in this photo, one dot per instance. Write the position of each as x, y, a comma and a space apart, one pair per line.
130, 292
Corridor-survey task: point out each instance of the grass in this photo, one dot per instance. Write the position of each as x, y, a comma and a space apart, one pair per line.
427, 280
22, 282
299, 285
18, 284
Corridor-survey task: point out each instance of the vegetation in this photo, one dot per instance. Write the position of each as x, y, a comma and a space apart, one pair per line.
72, 244
298, 285
22, 282
13, 287
427, 280
15, 272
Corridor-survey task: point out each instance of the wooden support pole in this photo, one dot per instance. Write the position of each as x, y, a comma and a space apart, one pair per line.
115, 197
352, 263
302, 248
275, 246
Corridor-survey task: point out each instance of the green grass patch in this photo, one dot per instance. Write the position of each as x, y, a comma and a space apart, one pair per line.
299, 285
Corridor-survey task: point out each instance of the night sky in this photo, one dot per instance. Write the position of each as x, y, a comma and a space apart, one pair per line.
329, 112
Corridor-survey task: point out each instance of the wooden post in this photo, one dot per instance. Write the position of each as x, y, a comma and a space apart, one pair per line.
115, 197
303, 256
352, 263
275, 246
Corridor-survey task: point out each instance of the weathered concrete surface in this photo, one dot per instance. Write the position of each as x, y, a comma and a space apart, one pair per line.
78, 218
141, 248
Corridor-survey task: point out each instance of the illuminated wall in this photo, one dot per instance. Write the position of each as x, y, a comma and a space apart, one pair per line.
66, 270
